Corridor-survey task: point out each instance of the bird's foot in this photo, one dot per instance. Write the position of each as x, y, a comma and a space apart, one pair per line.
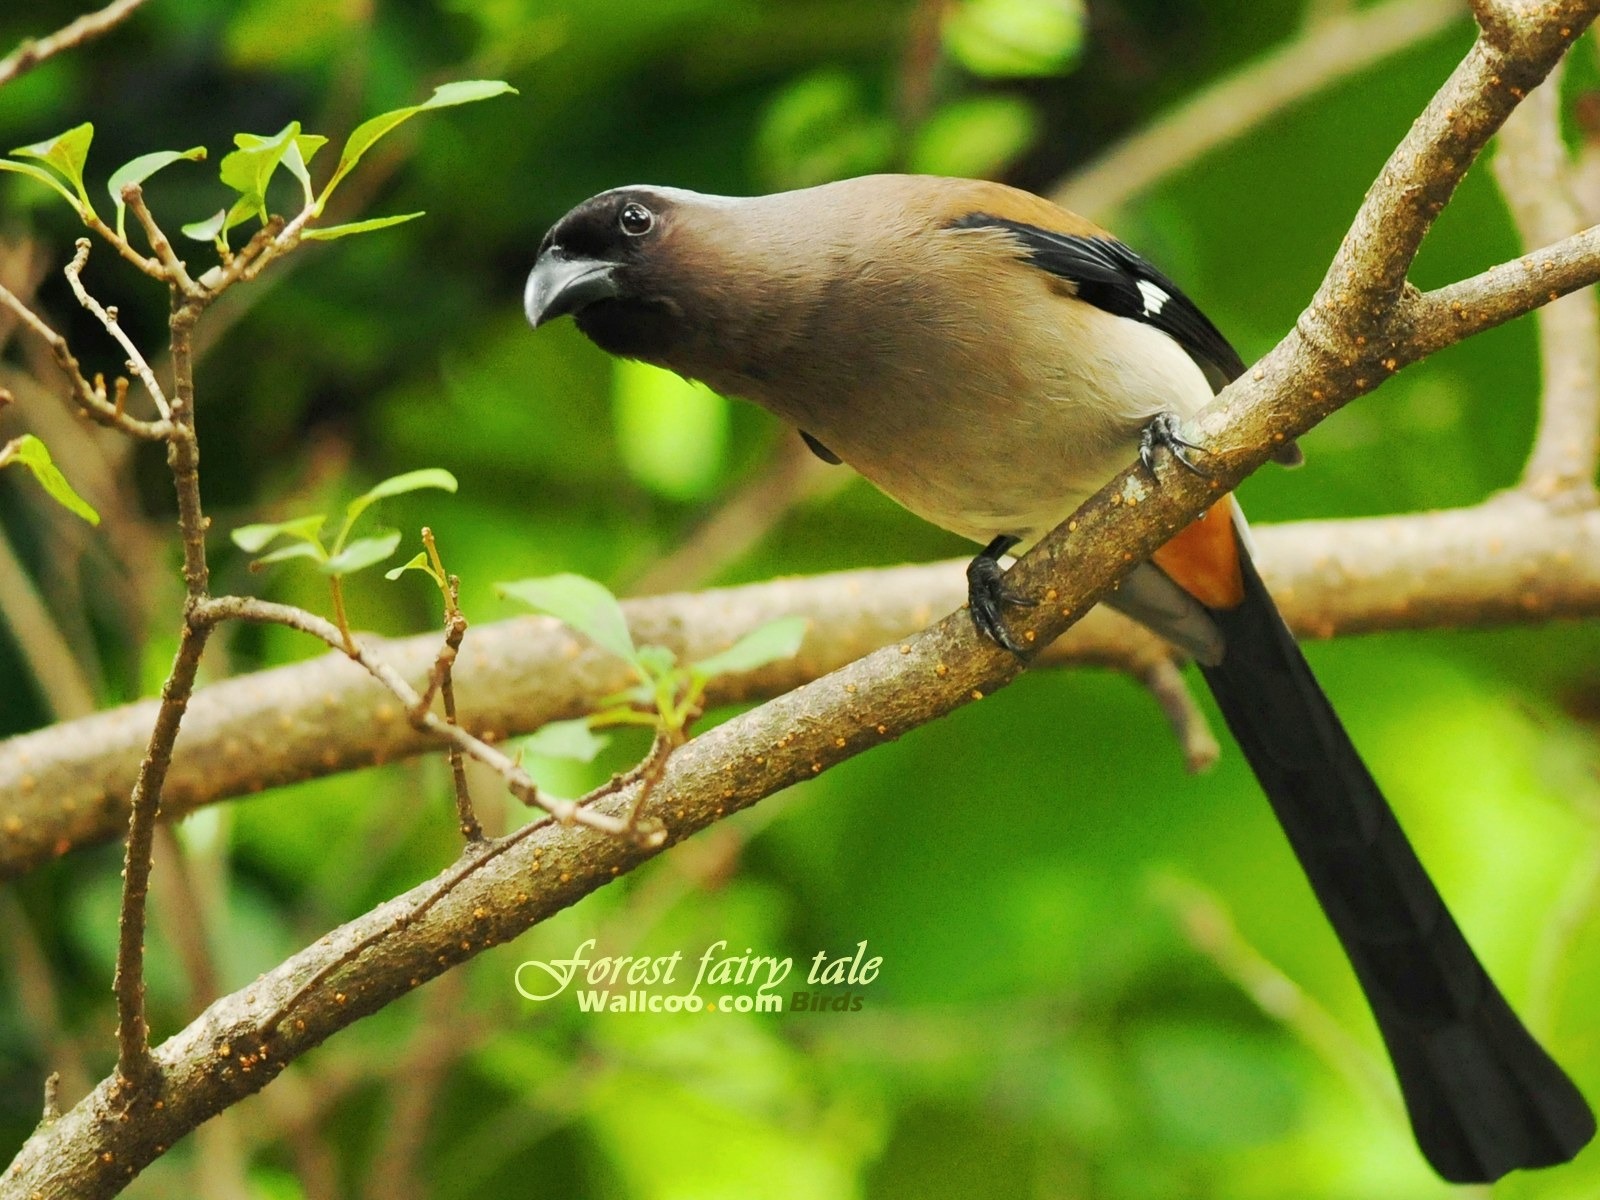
1162, 431
987, 595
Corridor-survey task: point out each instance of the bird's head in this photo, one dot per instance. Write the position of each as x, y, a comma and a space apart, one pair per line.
615, 263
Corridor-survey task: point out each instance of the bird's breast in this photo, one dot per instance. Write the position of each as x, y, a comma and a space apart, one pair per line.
982, 423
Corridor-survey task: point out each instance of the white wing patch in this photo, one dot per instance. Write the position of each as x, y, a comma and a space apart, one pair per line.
1154, 298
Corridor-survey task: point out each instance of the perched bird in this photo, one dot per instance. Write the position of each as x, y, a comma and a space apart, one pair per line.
989, 361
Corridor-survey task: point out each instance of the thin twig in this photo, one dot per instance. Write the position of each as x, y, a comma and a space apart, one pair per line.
86, 28
134, 1062
441, 679
52, 1097
91, 399
242, 263
108, 318
183, 452
1188, 720
648, 774
175, 271
567, 812
124, 247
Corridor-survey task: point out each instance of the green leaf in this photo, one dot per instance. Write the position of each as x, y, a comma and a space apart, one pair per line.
566, 739
139, 169
208, 230
32, 453
252, 538
657, 662
249, 169
410, 481
44, 177
361, 554
297, 158
1015, 38
581, 603
66, 153
769, 643
285, 553
395, 485
240, 211
366, 134
419, 562
328, 233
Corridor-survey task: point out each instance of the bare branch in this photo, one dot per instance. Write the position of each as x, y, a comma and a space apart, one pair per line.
85, 29
183, 453
124, 247
1365, 280
1512, 289
1536, 175
442, 680
1322, 54
90, 397
1167, 685
108, 318
62, 787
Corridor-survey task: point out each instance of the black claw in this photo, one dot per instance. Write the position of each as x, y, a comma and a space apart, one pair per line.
987, 595
1162, 431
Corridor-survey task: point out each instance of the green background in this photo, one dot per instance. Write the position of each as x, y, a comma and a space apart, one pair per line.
1031, 870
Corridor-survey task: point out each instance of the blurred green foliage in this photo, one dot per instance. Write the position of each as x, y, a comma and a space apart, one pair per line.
1027, 869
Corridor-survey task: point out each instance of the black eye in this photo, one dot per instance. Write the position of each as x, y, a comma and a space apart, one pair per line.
636, 220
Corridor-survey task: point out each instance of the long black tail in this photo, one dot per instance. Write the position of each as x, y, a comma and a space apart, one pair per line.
1483, 1096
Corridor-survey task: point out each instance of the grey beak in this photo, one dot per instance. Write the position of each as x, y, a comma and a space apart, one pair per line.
560, 285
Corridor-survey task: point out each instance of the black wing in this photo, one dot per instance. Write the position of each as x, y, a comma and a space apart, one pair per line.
1108, 275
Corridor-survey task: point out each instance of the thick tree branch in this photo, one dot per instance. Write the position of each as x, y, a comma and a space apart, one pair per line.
64, 786
1433, 320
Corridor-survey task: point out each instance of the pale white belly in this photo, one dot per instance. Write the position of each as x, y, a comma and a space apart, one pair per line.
1015, 456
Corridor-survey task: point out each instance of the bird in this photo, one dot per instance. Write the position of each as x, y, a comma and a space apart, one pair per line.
989, 360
